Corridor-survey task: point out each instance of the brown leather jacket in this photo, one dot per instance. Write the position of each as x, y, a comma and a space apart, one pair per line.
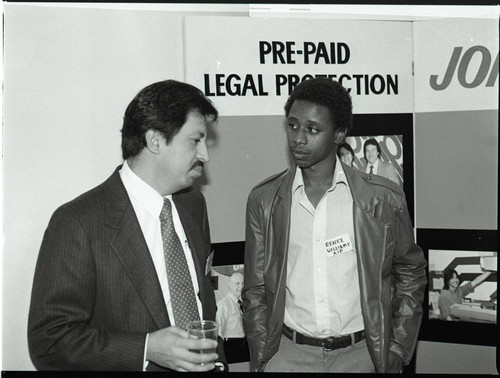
391, 266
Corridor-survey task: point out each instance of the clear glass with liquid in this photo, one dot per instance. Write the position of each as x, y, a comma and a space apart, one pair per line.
203, 329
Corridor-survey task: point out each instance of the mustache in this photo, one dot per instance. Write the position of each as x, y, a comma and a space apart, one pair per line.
197, 164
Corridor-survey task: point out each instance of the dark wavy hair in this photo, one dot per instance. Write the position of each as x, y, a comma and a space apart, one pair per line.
347, 146
327, 93
373, 142
162, 106
447, 276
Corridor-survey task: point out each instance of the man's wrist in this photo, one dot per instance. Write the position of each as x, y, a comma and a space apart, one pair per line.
145, 362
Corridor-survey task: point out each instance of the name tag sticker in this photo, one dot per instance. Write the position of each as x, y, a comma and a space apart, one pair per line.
338, 245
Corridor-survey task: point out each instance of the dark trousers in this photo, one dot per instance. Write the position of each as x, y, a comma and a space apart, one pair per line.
236, 350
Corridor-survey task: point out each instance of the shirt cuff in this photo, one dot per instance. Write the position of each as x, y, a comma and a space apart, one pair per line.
145, 362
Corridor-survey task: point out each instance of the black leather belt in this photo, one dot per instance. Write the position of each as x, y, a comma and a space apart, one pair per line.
327, 343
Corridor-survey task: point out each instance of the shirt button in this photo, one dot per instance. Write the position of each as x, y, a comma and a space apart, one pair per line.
321, 301
317, 239
323, 331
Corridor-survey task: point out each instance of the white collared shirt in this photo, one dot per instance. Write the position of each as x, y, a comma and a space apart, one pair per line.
147, 204
229, 317
322, 287
374, 165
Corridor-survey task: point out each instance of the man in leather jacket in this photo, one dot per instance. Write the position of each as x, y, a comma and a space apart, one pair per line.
334, 281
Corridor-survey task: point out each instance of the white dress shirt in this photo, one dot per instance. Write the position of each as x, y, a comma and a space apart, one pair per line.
147, 204
374, 165
229, 317
322, 284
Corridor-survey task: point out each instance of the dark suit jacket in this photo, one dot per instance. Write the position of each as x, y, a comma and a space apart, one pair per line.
388, 170
95, 291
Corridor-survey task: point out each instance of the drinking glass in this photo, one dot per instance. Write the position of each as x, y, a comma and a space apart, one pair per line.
203, 329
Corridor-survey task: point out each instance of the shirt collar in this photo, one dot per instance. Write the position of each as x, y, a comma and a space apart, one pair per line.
339, 174
142, 191
234, 297
338, 177
298, 180
375, 165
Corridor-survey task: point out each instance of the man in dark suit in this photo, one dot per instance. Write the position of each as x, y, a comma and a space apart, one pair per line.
103, 297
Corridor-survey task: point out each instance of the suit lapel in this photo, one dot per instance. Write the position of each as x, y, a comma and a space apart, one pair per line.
362, 196
191, 215
281, 212
381, 168
280, 218
131, 249
365, 222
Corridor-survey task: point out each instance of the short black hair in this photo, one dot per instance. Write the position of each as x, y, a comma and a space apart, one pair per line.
163, 106
373, 142
327, 93
447, 276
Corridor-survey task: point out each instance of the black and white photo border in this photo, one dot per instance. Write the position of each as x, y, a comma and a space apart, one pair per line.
459, 332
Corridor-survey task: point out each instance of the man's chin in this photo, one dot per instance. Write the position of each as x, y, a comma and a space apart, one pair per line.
302, 164
192, 176
188, 182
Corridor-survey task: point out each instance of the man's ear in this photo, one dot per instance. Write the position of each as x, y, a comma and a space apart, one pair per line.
339, 135
153, 140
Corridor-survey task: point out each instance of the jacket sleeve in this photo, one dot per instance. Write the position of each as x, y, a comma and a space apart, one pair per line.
60, 334
209, 297
408, 271
253, 295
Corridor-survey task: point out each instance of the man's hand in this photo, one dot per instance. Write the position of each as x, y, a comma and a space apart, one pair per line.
170, 347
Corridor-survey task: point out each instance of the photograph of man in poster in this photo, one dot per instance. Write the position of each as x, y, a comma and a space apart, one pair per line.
384, 151
334, 281
229, 316
229, 309
375, 165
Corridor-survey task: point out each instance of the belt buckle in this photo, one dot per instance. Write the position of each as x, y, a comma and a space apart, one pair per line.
328, 343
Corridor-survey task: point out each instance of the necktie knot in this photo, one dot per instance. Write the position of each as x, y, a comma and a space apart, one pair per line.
166, 210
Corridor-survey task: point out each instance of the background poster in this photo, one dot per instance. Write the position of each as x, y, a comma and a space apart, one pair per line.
249, 74
256, 62
456, 177
456, 123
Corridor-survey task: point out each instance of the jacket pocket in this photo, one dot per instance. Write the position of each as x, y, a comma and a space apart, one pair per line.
389, 241
388, 247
